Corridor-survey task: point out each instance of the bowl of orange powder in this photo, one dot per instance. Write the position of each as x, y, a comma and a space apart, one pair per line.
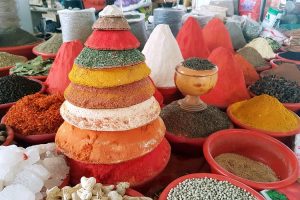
35, 118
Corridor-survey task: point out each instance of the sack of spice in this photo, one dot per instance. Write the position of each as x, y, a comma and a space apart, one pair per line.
7, 59
35, 67
35, 114
51, 46
231, 86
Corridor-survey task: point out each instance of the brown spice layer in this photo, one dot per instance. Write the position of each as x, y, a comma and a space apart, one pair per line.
111, 23
36, 114
114, 97
246, 168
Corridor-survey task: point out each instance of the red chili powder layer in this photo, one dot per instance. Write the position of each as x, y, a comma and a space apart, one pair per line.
36, 114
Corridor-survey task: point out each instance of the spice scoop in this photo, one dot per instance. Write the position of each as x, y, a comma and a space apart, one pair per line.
195, 77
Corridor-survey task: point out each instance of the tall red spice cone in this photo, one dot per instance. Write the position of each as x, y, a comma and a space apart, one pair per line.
190, 40
231, 86
216, 35
58, 80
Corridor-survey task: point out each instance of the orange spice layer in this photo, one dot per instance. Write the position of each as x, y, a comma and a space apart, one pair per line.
109, 98
104, 147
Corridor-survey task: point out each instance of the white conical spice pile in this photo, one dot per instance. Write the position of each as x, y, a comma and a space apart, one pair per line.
162, 55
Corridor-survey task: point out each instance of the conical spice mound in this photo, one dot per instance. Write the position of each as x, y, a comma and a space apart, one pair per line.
111, 117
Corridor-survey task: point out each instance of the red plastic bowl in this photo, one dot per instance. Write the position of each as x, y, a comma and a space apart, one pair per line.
170, 94
5, 107
256, 146
4, 71
10, 136
40, 78
45, 56
173, 184
291, 106
271, 133
25, 50
278, 55
263, 68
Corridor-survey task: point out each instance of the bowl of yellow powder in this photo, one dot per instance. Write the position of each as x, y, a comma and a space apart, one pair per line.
255, 159
265, 114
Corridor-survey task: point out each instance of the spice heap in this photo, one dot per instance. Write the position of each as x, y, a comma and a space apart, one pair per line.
252, 56
35, 114
289, 71
3, 133
190, 40
231, 86
111, 117
236, 35
246, 168
58, 80
198, 64
273, 44
51, 46
193, 124
16, 37
7, 59
216, 35
35, 67
284, 90
208, 188
250, 74
13, 88
262, 46
90, 189
28, 173
289, 55
265, 113
162, 56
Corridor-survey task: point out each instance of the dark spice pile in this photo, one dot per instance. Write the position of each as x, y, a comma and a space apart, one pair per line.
3, 133
193, 124
91, 58
13, 88
252, 56
16, 37
36, 114
198, 64
274, 44
285, 91
291, 55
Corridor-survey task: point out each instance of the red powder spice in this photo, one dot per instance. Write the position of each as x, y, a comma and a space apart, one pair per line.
35, 114
216, 35
58, 80
190, 40
250, 74
231, 86
136, 171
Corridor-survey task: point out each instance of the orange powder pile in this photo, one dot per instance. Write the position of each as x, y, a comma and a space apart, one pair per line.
230, 87
58, 80
250, 74
216, 35
190, 40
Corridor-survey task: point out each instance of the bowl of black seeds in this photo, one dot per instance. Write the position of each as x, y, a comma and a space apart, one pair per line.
6, 135
208, 186
13, 88
287, 92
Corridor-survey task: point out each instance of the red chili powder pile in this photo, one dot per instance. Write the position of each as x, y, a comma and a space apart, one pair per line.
190, 40
216, 35
230, 87
250, 74
58, 80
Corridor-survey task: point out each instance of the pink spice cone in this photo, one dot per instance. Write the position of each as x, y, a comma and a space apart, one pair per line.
190, 40
231, 86
216, 35
58, 80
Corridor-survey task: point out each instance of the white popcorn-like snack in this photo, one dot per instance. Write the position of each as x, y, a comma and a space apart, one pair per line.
88, 189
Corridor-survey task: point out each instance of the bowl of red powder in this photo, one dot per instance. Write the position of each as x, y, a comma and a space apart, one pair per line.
252, 158
24, 50
174, 189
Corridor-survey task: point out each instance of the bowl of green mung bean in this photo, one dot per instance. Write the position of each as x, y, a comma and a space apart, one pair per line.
209, 187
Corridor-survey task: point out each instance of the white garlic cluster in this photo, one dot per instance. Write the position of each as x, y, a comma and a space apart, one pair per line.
88, 189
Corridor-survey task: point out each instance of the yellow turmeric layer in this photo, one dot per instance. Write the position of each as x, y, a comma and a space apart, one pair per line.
266, 113
104, 78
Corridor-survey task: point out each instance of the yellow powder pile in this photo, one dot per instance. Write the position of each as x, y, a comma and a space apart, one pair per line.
266, 113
